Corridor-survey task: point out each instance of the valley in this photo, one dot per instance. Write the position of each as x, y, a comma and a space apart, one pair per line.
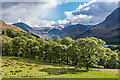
108, 30
54, 39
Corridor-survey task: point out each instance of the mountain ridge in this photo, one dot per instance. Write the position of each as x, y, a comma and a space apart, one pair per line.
3, 26
107, 30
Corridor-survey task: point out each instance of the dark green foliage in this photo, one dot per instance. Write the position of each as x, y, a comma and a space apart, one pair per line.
84, 52
18, 46
7, 48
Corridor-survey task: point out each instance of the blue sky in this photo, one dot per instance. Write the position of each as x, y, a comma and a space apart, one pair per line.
58, 11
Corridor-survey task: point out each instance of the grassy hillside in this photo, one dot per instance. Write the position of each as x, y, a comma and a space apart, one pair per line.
24, 67
3, 26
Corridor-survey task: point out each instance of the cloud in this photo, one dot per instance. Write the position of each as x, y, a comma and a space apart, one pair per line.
86, 9
28, 12
33, 12
86, 4
91, 13
34, 22
63, 21
107, 0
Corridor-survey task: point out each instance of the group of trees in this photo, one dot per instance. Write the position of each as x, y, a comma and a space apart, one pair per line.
83, 52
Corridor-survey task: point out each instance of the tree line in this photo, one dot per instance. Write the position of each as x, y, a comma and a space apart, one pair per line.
84, 52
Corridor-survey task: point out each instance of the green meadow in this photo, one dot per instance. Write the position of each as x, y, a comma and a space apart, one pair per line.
18, 67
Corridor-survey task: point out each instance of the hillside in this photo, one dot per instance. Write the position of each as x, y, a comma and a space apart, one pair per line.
10, 31
108, 30
46, 32
23, 26
43, 32
3, 26
73, 31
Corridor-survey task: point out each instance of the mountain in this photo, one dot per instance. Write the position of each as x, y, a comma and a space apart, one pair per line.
43, 32
46, 32
11, 31
108, 30
3, 26
73, 31
23, 26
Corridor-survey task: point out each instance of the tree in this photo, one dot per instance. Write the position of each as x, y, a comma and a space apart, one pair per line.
50, 52
60, 52
118, 52
114, 61
87, 52
67, 41
32, 48
3, 32
18, 46
7, 48
42, 43
24, 38
57, 39
106, 57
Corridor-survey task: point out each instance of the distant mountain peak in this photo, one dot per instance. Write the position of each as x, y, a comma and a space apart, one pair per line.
23, 26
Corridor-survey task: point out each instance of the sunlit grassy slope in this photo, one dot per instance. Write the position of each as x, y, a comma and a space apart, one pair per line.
22, 67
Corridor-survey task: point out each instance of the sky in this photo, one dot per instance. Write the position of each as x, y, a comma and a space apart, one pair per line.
46, 13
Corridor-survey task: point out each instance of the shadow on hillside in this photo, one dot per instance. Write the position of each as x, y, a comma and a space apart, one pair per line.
58, 71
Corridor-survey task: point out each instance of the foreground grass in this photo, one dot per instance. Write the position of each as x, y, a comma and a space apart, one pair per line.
89, 74
108, 71
16, 67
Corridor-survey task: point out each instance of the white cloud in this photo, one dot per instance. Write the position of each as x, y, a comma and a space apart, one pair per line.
44, 23
91, 13
28, 12
86, 9
68, 14
34, 22
63, 21
107, 0
20, 20
86, 4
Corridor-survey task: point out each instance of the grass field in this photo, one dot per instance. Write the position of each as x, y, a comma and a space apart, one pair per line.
16, 67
